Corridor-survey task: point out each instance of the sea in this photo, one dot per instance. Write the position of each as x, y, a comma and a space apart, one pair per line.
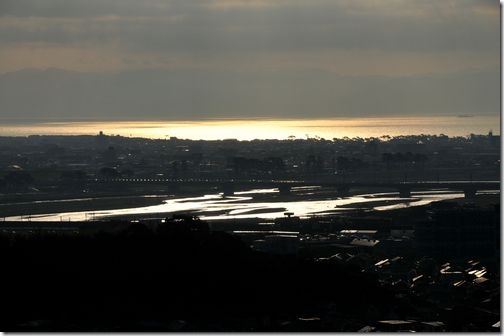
250, 129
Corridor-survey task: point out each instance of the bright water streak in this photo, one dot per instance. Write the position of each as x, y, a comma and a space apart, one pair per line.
242, 205
265, 129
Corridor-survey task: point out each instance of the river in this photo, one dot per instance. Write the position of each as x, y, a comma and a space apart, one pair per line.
255, 203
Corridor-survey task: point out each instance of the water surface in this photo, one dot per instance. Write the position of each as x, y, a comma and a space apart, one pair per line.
266, 129
243, 205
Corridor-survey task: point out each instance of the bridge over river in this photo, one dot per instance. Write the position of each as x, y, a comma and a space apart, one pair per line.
228, 186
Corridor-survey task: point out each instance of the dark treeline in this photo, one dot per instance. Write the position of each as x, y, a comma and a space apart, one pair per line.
180, 276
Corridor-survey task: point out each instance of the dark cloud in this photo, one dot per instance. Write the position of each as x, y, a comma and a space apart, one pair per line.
227, 58
194, 26
80, 8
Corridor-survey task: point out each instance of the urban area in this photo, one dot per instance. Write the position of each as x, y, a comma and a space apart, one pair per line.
387, 267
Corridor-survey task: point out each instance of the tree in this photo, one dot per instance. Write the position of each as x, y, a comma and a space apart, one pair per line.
19, 178
108, 172
73, 175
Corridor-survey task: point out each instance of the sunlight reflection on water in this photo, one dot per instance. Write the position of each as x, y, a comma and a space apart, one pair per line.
242, 205
266, 129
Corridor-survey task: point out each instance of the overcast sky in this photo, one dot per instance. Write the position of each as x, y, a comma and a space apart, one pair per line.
186, 59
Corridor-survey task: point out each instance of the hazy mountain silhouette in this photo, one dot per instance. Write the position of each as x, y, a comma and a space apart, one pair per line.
56, 94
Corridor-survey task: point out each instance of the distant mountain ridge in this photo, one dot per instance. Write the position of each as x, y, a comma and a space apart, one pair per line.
193, 94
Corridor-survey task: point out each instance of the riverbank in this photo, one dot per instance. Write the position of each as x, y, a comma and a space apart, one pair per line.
31, 204
260, 204
81, 204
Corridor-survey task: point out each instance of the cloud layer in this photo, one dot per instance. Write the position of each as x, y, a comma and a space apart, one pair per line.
248, 58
